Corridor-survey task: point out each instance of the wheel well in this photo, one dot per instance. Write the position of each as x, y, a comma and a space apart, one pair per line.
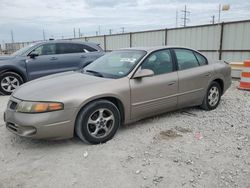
115, 101
119, 105
221, 83
15, 71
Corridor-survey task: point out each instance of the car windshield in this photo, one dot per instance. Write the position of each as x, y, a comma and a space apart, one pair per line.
22, 50
116, 64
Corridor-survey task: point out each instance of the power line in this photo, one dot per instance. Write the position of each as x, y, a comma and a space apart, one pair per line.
185, 18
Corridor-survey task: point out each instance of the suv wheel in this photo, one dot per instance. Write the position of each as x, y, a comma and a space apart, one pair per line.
98, 122
9, 81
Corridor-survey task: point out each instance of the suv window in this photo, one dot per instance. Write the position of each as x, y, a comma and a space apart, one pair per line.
202, 60
45, 49
67, 48
186, 59
159, 62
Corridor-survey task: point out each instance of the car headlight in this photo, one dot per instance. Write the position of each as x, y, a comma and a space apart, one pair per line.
38, 107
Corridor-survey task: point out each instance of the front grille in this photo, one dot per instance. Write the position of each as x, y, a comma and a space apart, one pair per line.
13, 105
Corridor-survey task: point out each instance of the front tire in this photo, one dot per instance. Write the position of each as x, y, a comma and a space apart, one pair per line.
9, 81
212, 97
98, 122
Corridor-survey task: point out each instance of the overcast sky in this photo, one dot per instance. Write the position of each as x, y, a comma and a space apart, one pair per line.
28, 18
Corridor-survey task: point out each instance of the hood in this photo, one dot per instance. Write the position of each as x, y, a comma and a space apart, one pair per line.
57, 87
5, 57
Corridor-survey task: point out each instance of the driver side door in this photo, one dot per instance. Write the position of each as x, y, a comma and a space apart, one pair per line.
45, 63
158, 93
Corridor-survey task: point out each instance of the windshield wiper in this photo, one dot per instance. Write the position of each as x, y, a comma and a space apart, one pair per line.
95, 73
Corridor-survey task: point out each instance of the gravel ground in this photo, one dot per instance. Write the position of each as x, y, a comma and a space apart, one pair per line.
187, 148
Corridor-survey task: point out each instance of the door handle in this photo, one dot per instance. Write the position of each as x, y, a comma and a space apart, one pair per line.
171, 83
207, 75
53, 58
82, 56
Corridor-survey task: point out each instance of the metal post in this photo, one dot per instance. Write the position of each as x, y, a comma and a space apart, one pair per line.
166, 37
105, 46
221, 40
130, 40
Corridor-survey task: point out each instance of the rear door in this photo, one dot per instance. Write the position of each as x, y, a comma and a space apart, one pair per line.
194, 75
156, 94
74, 56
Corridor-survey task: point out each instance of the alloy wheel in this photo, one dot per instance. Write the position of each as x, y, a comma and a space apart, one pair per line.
9, 83
213, 96
100, 123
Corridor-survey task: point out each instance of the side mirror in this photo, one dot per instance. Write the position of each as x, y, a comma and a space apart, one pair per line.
144, 73
33, 55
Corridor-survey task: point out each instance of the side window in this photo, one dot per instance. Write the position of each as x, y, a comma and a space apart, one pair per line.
68, 48
186, 59
202, 60
88, 48
45, 49
159, 62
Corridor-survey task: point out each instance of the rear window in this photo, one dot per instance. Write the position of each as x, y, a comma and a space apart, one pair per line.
202, 60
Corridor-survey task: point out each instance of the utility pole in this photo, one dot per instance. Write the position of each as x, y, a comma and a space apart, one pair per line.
12, 36
96, 33
213, 19
110, 31
74, 33
79, 32
44, 35
123, 29
219, 13
185, 18
176, 19
99, 30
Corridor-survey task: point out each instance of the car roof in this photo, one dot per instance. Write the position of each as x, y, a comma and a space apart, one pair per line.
66, 41
155, 48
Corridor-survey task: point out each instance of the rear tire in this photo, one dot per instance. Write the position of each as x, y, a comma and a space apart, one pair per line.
9, 81
98, 122
212, 97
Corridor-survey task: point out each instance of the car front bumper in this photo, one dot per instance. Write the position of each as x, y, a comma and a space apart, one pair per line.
50, 125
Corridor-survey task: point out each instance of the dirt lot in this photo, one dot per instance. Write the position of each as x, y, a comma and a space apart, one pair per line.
187, 148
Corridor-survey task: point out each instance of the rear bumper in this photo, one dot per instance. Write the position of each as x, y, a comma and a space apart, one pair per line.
52, 125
